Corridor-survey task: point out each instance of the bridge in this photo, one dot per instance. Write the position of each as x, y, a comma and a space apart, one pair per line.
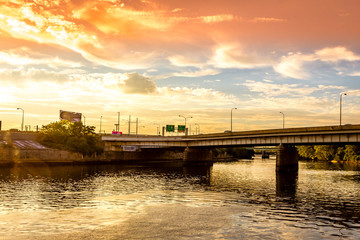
198, 147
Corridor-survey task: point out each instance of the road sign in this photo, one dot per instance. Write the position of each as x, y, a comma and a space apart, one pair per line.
181, 128
170, 128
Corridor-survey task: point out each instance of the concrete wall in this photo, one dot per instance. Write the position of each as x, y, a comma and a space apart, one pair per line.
144, 155
36, 156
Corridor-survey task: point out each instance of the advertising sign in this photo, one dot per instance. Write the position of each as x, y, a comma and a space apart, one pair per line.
70, 116
170, 128
181, 128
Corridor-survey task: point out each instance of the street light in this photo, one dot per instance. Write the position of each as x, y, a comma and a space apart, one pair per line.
22, 122
231, 118
100, 124
185, 120
157, 129
198, 126
341, 94
283, 119
118, 124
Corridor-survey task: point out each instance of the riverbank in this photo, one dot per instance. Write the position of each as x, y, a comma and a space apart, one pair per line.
23, 148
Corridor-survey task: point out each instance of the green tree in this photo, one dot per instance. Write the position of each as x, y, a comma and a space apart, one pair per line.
307, 152
325, 152
74, 137
352, 153
330, 152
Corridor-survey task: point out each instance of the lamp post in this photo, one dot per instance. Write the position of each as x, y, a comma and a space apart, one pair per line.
231, 118
22, 121
100, 124
84, 120
341, 94
157, 129
185, 120
283, 119
118, 124
198, 126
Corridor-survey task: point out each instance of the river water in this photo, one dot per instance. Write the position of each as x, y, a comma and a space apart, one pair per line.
238, 200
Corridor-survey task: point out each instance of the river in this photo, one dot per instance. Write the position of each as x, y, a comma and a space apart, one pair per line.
238, 200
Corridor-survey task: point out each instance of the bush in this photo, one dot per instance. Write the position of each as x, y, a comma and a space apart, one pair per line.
74, 137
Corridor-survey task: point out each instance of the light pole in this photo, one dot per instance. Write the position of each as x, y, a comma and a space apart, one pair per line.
100, 124
157, 129
84, 120
341, 94
231, 118
118, 124
283, 119
198, 126
185, 120
22, 121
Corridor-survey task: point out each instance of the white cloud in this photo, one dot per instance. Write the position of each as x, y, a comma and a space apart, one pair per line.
268, 19
218, 18
182, 61
294, 90
324, 87
336, 54
353, 92
24, 56
199, 73
295, 65
271, 89
22, 74
355, 74
232, 56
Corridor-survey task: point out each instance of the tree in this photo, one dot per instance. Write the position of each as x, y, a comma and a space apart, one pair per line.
325, 152
352, 153
330, 152
74, 137
307, 152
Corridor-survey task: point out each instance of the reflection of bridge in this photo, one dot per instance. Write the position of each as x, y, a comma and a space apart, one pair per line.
198, 147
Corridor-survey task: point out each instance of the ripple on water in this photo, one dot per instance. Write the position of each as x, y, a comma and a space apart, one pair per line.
317, 203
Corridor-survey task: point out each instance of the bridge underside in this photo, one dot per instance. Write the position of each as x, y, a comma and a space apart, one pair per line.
198, 148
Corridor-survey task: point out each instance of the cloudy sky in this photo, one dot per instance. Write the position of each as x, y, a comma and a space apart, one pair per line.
158, 59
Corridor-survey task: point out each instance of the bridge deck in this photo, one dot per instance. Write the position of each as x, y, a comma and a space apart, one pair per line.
297, 136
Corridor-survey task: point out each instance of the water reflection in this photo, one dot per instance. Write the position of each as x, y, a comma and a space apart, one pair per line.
286, 184
42, 199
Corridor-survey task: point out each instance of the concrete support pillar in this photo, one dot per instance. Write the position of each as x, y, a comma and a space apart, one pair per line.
287, 159
198, 156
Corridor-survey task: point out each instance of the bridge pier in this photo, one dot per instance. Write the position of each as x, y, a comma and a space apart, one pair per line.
198, 156
287, 159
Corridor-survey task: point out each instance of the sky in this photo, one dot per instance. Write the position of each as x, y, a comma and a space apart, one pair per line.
154, 60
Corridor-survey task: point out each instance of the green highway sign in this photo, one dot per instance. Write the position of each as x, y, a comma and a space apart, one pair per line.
170, 128
181, 128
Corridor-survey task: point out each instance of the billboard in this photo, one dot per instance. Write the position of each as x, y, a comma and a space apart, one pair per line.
170, 128
70, 116
181, 128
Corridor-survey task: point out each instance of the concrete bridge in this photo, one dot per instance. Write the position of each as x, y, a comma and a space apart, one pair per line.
198, 147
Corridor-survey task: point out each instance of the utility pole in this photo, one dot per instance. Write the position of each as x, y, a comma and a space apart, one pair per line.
283, 119
129, 123
137, 126
22, 122
341, 94
118, 126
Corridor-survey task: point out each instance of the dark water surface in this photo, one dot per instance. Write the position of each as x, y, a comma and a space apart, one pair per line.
239, 200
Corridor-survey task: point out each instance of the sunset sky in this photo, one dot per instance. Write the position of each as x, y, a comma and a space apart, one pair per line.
158, 59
